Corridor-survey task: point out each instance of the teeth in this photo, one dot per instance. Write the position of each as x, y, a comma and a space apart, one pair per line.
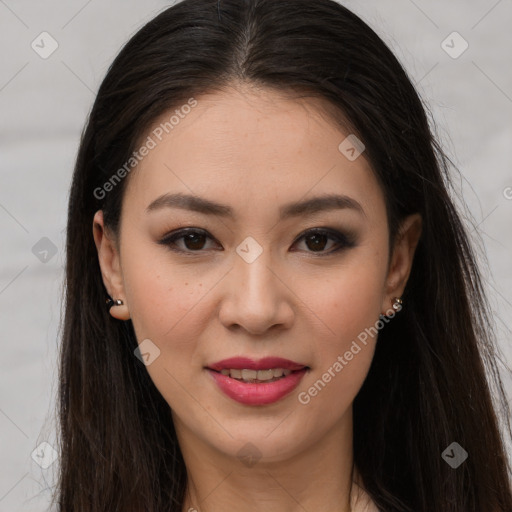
236, 374
253, 375
265, 374
249, 374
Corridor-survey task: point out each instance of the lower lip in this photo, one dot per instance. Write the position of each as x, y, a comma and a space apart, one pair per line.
257, 393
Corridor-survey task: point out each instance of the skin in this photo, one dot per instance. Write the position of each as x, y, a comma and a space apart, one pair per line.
256, 150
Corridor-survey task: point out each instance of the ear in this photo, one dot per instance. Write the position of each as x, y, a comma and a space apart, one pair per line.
402, 258
110, 265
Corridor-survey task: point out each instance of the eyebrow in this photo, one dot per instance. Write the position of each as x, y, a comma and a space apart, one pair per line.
295, 209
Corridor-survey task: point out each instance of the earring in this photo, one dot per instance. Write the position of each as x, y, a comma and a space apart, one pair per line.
111, 302
397, 303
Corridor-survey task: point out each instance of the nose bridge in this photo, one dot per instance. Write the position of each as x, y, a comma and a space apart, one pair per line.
255, 298
252, 268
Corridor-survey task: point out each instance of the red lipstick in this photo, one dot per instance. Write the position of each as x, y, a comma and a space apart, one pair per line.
254, 391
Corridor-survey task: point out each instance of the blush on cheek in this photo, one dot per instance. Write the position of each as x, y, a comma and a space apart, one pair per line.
345, 318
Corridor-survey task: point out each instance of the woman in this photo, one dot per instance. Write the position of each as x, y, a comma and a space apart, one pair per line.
240, 363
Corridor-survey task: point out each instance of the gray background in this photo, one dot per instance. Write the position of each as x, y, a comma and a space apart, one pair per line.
44, 104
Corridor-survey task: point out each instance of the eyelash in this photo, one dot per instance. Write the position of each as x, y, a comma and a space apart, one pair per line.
345, 241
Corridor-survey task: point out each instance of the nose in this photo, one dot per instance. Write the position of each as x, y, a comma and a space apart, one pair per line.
256, 296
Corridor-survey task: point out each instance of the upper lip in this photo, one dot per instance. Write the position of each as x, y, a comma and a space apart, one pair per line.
240, 363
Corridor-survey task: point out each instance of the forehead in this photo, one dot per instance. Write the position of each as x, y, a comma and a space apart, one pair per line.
252, 149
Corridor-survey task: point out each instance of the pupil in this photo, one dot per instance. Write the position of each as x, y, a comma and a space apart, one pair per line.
316, 236
192, 238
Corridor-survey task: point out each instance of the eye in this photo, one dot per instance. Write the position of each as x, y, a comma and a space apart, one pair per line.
194, 239
316, 240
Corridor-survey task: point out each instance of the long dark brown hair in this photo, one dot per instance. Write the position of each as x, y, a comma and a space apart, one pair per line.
434, 378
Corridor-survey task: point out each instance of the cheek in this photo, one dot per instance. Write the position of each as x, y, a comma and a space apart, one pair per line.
342, 358
348, 308
162, 296
344, 304
166, 306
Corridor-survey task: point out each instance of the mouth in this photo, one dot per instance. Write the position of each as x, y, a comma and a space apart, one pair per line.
267, 369
257, 382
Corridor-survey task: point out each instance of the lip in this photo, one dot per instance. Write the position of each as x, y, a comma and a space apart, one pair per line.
257, 393
239, 363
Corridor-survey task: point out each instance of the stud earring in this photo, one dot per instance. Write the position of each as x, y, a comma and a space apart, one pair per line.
111, 302
397, 303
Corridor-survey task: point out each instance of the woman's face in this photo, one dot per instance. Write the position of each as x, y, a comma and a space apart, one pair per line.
254, 278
